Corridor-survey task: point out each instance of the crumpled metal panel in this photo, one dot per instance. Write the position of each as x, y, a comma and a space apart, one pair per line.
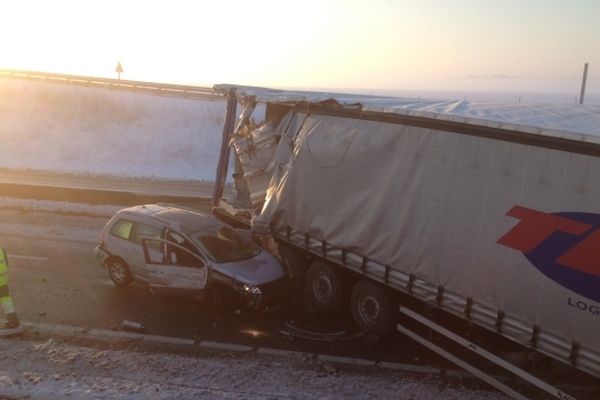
255, 147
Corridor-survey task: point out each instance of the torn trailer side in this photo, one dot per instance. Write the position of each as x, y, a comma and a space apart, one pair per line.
489, 212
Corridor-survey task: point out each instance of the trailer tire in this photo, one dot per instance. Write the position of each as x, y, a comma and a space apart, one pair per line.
371, 308
324, 288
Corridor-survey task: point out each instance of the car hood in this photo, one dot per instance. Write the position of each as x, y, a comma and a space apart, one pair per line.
263, 268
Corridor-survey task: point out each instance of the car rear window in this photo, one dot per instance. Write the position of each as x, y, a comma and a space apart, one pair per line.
122, 228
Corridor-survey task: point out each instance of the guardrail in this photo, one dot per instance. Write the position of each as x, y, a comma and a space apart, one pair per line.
158, 89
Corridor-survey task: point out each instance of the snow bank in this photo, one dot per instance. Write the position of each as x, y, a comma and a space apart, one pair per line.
54, 370
58, 207
64, 128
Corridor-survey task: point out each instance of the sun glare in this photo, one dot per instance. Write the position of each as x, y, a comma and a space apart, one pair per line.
334, 43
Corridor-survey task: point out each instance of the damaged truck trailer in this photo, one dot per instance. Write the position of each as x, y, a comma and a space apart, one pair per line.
490, 212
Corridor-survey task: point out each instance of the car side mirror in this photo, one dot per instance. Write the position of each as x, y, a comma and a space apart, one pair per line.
173, 258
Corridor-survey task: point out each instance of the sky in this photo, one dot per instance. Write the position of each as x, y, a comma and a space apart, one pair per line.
386, 45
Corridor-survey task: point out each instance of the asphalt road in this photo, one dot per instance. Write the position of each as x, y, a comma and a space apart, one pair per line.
54, 278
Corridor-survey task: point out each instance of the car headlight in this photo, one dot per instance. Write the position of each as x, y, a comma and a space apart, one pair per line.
248, 289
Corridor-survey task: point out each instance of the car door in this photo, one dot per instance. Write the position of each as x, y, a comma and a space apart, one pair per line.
175, 270
148, 231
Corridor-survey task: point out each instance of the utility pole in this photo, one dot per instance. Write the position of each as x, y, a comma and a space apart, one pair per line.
583, 82
119, 69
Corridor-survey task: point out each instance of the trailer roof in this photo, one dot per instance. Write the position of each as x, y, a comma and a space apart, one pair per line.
569, 121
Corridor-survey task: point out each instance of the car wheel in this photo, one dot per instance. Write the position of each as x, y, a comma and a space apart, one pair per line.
119, 272
324, 288
371, 308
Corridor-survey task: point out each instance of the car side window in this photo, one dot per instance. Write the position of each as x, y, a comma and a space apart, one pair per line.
179, 256
122, 229
148, 231
171, 253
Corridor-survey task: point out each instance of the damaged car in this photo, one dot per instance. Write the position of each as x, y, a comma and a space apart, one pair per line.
178, 251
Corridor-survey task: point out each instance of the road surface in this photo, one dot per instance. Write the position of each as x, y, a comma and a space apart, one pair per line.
55, 278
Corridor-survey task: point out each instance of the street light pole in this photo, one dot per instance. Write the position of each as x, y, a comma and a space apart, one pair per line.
583, 82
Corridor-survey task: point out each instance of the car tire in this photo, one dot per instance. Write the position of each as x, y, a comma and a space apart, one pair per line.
324, 288
371, 308
119, 272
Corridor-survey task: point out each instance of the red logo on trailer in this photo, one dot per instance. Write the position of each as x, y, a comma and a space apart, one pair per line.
564, 246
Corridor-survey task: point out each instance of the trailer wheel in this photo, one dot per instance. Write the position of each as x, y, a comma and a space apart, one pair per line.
324, 287
371, 308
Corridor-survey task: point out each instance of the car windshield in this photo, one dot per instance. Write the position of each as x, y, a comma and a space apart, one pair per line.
224, 244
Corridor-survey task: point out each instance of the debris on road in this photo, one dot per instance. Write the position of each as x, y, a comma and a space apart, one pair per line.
330, 369
292, 331
132, 326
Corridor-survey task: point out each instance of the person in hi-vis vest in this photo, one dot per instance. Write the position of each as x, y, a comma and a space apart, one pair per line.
12, 321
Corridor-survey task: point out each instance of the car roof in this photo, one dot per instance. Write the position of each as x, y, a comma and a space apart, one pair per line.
178, 218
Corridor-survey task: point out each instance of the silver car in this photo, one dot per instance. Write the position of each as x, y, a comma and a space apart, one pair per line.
182, 252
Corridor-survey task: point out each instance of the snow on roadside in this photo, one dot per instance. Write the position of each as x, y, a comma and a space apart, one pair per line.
56, 370
59, 207
67, 128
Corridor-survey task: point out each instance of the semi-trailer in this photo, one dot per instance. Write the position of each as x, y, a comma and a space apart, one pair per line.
487, 211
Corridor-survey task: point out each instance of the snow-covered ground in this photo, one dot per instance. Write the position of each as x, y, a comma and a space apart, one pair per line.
68, 128
59, 207
50, 369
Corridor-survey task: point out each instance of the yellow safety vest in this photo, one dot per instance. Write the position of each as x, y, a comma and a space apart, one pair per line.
3, 268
